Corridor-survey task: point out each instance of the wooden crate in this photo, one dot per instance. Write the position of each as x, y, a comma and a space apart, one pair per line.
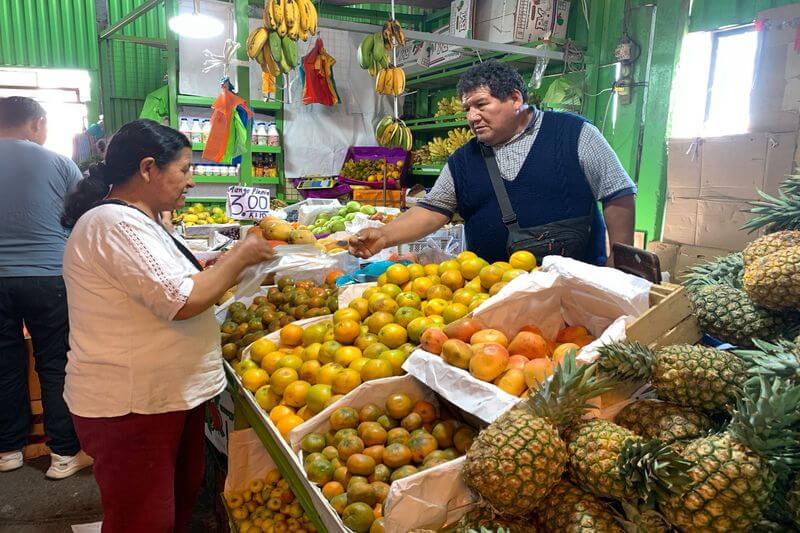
670, 319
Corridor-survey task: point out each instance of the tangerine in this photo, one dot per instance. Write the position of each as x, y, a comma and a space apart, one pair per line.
393, 335
295, 393
349, 445
346, 331
286, 424
409, 299
377, 320
358, 517
279, 412
420, 286
391, 290
453, 279
254, 378
328, 372
291, 335
317, 396
523, 260
365, 340
309, 371
331, 489
327, 352
347, 313
361, 306
376, 369
398, 405
346, 355
281, 379
398, 274
405, 315
426, 410
396, 455
453, 312
343, 418
360, 464
345, 381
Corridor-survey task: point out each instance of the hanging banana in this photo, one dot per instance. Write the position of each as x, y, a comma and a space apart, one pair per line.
269, 15
255, 42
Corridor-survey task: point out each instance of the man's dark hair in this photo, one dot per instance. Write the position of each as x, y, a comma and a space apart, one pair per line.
500, 78
18, 110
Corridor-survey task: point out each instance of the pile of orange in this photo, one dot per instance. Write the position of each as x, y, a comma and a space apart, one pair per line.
267, 504
367, 449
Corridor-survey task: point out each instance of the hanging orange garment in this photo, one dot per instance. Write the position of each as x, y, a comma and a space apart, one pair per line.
224, 107
315, 86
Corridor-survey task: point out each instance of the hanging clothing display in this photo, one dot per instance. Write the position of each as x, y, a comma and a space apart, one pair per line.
316, 72
227, 140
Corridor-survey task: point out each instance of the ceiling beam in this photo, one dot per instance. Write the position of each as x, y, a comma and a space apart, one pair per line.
130, 17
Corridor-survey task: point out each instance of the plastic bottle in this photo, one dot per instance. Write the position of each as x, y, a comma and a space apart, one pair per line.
206, 130
197, 131
273, 137
185, 128
261, 133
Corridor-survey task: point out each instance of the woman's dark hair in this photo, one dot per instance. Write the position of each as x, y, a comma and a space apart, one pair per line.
500, 78
133, 142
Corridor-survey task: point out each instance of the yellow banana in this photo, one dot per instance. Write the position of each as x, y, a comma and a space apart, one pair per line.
294, 31
314, 17
388, 82
269, 62
278, 12
303, 14
290, 13
256, 41
304, 34
399, 82
269, 15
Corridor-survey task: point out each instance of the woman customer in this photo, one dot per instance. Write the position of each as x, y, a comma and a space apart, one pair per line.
145, 351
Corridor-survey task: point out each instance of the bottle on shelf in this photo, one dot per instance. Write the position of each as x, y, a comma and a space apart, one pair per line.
197, 131
261, 134
273, 137
206, 130
185, 128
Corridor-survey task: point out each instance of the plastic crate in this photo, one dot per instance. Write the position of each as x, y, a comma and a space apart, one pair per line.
450, 239
394, 198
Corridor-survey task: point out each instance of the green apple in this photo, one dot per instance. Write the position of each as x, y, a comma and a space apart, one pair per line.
349, 217
353, 206
337, 226
368, 209
342, 212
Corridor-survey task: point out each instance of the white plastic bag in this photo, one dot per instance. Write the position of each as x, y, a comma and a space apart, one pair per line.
247, 460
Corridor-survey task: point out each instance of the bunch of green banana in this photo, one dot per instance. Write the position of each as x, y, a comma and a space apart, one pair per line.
393, 34
391, 81
393, 133
296, 19
372, 53
438, 149
279, 55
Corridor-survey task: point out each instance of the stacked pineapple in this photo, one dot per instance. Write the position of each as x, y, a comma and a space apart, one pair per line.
705, 454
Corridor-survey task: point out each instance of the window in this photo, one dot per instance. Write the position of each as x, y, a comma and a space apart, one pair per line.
711, 92
62, 93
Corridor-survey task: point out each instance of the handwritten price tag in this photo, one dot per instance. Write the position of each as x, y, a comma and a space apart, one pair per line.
247, 203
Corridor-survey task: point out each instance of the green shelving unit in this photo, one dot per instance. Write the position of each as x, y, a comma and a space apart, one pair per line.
427, 170
437, 123
216, 179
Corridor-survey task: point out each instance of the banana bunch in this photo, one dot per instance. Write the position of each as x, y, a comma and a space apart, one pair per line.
456, 138
393, 133
393, 34
296, 19
391, 81
372, 53
449, 106
421, 156
438, 150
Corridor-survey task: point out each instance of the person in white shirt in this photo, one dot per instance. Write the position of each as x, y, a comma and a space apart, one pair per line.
145, 353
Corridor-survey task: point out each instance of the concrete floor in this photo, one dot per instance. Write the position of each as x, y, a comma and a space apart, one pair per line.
31, 503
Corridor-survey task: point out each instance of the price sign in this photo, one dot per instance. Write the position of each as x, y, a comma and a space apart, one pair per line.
247, 203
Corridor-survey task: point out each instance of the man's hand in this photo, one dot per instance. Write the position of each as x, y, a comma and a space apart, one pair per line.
367, 243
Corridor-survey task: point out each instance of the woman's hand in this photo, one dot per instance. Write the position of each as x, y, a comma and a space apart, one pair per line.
253, 250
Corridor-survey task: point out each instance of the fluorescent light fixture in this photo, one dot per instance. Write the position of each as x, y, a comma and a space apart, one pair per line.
195, 25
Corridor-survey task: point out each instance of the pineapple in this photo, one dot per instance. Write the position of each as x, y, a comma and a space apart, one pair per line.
793, 501
734, 472
769, 244
728, 314
780, 359
664, 421
690, 376
569, 509
726, 270
515, 461
613, 462
483, 520
773, 281
642, 519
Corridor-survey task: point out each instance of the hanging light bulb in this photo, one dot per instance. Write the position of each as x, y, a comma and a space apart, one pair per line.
195, 25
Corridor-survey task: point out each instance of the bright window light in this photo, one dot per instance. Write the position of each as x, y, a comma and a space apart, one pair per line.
711, 89
196, 25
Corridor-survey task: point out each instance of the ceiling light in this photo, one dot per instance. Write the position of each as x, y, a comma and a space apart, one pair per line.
195, 25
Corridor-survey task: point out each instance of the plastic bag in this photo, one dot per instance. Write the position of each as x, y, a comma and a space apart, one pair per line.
434, 252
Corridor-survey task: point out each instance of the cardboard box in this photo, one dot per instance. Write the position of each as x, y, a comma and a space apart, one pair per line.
691, 255
680, 220
504, 21
733, 166
34, 387
439, 53
667, 253
684, 157
719, 224
462, 14
781, 154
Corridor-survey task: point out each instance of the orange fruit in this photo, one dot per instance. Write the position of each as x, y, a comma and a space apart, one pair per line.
382, 302
270, 361
426, 410
311, 352
347, 313
346, 331
328, 372
393, 335
421, 445
453, 312
523, 260
359, 464
405, 315
291, 335
288, 423
475, 285
360, 305
450, 264
317, 396
346, 355
409, 299
398, 274
374, 350
376, 369
349, 445
466, 255
345, 381
435, 307
508, 275
421, 286
471, 267
431, 269
398, 405
391, 290
279, 412
439, 291
452, 279
490, 275
504, 265
377, 320
381, 280
255, 378
260, 348
267, 399
331, 489
396, 455
417, 326
358, 517
332, 276
358, 364
462, 439
561, 351
344, 417
570, 333
281, 379
295, 393
290, 361
463, 296
396, 358
415, 271
497, 287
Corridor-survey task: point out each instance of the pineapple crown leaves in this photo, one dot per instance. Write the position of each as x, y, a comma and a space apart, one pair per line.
627, 361
653, 469
775, 213
726, 270
565, 396
767, 420
640, 518
767, 359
